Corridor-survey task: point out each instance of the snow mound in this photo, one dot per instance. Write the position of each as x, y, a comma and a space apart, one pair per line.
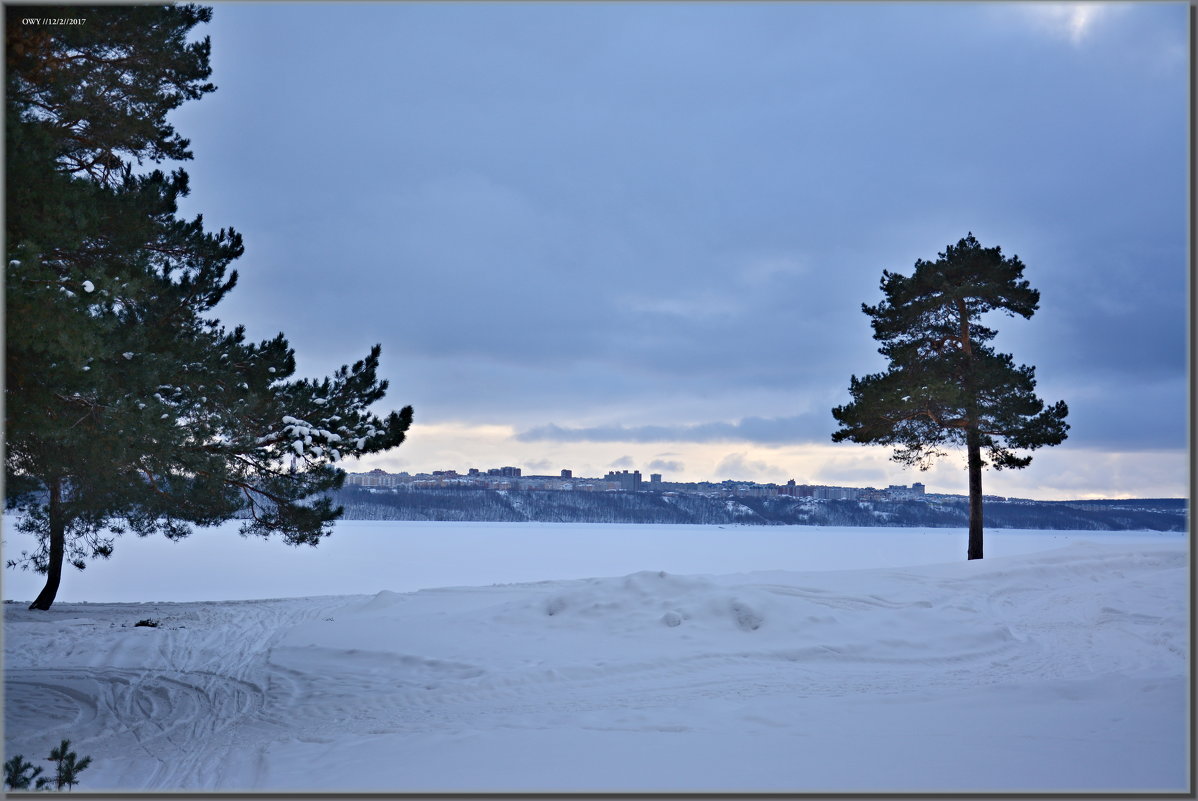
382, 601
649, 599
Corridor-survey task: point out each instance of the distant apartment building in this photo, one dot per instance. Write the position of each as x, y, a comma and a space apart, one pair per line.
900, 492
506, 472
837, 493
755, 490
655, 478
630, 482
567, 474
375, 478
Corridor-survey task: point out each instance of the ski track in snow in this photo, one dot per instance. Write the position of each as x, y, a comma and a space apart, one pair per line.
216, 695
118, 690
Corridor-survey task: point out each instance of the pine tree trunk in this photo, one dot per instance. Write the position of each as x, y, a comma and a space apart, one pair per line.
58, 536
973, 438
973, 446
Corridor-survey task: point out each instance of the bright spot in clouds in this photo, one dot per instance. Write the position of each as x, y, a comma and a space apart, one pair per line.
1072, 20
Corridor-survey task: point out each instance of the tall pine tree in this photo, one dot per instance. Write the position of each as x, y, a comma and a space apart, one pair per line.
945, 385
127, 407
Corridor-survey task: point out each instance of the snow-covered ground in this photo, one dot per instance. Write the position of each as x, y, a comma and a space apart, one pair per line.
614, 658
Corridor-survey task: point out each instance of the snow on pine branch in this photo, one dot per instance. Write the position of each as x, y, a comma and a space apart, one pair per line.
309, 440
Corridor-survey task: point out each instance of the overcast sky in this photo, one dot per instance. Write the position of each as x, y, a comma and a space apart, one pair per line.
638, 235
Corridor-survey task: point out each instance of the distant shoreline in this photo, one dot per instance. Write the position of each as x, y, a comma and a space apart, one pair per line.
566, 506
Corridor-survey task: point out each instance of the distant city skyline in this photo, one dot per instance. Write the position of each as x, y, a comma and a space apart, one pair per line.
511, 478
645, 480
566, 473
607, 235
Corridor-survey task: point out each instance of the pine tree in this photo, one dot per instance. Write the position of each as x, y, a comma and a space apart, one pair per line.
67, 765
128, 408
945, 385
20, 775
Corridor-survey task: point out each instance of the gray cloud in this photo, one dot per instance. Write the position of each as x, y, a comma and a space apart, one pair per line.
775, 431
566, 211
735, 466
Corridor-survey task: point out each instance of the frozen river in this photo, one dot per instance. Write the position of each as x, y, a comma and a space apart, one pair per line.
368, 556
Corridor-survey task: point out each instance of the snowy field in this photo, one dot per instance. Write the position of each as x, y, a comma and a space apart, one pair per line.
538, 657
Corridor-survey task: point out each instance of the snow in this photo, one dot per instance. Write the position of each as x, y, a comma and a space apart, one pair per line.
294, 427
428, 657
88, 286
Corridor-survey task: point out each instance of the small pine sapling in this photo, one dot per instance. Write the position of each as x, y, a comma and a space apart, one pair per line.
19, 774
67, 765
